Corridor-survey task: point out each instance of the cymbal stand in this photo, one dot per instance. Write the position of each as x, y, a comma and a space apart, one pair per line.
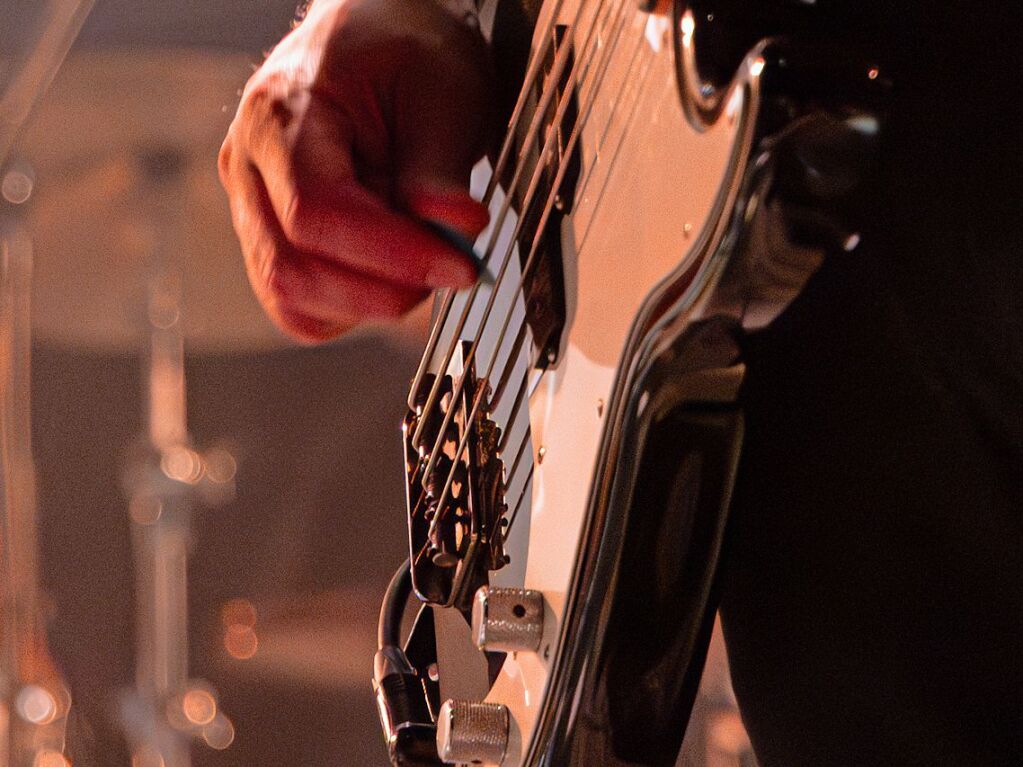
167, 709
36, 36
34, 702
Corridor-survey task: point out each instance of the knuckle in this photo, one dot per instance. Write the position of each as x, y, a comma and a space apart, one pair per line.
251, 112
257, 98
224, 161
302, 222
266, 109
274, 95
284, 284
293, 219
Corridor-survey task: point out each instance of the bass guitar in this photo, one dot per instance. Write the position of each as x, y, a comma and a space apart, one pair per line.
670, 178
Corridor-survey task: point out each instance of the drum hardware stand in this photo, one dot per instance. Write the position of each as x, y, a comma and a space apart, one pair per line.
40, 43
167, 478
34, 702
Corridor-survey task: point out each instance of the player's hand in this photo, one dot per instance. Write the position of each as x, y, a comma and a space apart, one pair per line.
364, 121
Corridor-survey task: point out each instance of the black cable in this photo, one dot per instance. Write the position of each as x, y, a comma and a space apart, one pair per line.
392, 610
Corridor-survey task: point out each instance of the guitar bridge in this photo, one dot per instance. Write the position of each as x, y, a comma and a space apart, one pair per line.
456, 507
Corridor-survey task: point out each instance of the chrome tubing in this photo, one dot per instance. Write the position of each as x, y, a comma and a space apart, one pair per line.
167, 480
34, 702
34, 38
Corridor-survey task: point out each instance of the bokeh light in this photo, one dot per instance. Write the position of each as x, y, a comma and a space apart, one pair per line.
16, 186
182, 464
35, 705
199, 706
239, 619
221, 466
219, 733
147, 757
240, 641
50, 758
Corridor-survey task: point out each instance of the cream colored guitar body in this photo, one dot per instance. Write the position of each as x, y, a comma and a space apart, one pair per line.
649, 183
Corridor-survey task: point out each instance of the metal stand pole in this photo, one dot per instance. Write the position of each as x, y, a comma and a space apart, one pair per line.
167, 709
36, 36
33, 701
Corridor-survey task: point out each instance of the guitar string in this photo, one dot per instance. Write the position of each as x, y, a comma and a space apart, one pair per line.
558, 67
612, 161
518, 459
634, 88
564, 54
526, 385
580, 193
512, 358
551, 143
518, 504
476, 404
530, 80
478, 398
561, 59
584, 186
548, 148
520, 396
608, 51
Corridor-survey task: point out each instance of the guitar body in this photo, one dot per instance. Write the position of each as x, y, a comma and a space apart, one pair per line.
649, 185
590, 457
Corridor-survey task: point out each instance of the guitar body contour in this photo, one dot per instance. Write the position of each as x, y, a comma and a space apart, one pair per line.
649, 183
618, 432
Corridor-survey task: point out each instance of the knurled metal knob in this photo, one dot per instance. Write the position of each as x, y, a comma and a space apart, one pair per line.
507, 620
474, 733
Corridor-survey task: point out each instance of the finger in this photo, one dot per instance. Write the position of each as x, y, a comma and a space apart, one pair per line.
441, 131
451, 206
308, 297
323, 209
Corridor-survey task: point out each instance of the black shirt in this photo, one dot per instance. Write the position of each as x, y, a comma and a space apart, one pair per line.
873, 586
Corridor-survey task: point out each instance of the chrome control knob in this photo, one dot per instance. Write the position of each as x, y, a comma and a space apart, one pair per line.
507, 620
474, 733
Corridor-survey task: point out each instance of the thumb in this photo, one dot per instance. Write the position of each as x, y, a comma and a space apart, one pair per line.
438, 147
442, 116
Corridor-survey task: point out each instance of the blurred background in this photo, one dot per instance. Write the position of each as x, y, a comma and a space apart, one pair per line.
116, 170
